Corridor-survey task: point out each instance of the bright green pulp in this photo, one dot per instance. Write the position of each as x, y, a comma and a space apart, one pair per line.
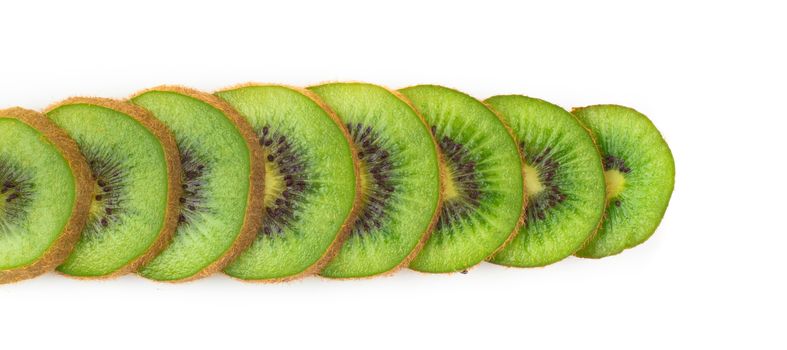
99, 130
218, 144
416, 168
470, 123
23, 240
330, 176
627, 134
567, 226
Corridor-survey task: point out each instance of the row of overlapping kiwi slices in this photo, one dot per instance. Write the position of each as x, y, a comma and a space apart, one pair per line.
344, 180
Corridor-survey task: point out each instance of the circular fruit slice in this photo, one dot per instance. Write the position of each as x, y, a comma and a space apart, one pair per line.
134, 210
483, 186
400, 181
564, 177
639, 172
45, 191
310, 182
222, 181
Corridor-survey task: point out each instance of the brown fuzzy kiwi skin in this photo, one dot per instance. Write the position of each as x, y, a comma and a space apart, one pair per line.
346, 227
59, 250
435, 216
171, 157
521, 220
252, 221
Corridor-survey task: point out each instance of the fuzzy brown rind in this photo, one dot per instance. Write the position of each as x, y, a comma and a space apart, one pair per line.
252, 221
435, 216
60, 248
344, 230
171, 157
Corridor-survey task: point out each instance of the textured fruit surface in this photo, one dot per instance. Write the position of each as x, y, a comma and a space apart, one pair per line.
400, 182
482, 174
564, 177
37, 194
128, 208
310, 182
217, 170
640, 175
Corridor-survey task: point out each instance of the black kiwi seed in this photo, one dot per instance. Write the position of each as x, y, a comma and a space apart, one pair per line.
288, 159
548, 168
192, 200
466, 180
381, 183
17, 189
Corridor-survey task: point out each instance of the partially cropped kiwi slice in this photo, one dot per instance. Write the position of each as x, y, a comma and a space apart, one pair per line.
45, 191
400, 184
220, 208
311, 186
482, 176
564, 177
134, 162
640, 175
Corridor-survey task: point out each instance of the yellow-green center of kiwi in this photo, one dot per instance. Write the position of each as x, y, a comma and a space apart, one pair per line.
96, 208
615, 182
533, 183
274, 182
450, 191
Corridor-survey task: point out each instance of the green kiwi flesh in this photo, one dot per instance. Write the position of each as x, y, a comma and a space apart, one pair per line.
130, 211
482, 175
564, 182
400, 181
218, 215
44, 195
310, 182
640, 176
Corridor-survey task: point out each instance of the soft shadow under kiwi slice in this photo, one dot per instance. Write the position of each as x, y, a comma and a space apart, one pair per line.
311, 186
134, 162
45, 191
221, 205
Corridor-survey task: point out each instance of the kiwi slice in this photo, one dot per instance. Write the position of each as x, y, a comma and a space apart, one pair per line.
45, 191
639, 172
564, 177
223, 169
400, 179
311, 186
482, 176
134, 162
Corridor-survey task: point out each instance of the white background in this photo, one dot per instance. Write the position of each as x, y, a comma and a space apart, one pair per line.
710, 75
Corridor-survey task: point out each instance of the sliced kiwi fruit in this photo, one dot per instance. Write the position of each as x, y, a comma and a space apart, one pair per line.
400, 179
639, 172
221, 205
483, 194
311, 185
564, 182
45, 190
136, 185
